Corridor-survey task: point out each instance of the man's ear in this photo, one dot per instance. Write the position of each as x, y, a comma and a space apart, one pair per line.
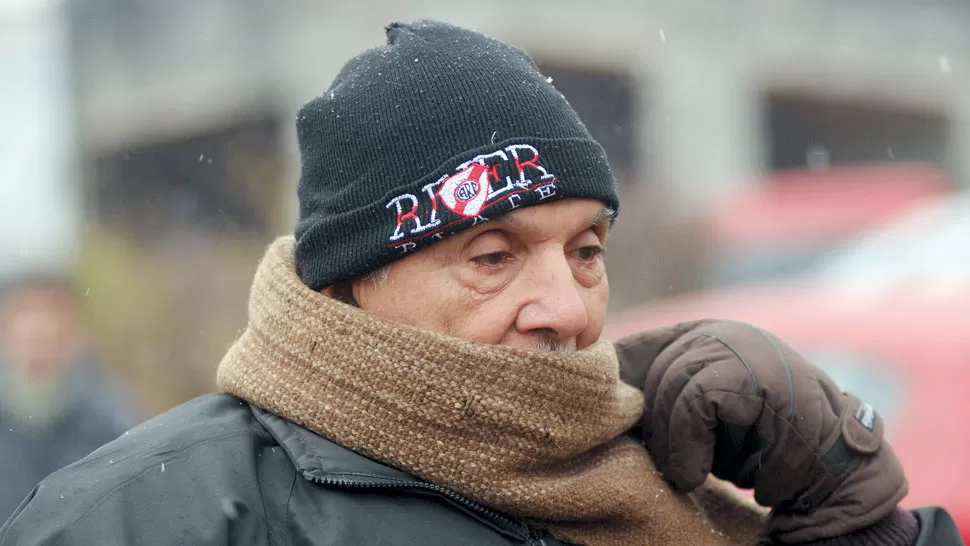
342, 292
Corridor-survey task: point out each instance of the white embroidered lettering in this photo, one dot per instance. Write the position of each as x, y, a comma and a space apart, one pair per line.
406, 247
469, 190
411, 214
481, 159
495, 192
546, 191
529, 159
429, 189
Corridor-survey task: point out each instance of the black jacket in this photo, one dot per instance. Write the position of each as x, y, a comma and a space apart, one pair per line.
218, 471
92, 416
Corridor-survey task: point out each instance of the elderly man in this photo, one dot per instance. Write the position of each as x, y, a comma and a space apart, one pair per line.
422, 363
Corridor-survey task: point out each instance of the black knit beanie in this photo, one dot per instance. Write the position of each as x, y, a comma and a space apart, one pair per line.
437, 131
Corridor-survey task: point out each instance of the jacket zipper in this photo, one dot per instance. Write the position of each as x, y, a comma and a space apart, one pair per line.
535, 538
524, 531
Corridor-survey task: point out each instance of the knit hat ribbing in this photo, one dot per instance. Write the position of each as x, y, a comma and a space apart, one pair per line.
439, 130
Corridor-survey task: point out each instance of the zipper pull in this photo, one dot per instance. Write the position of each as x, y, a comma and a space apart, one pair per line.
535, 537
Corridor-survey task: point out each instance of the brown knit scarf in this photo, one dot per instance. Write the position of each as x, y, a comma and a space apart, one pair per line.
536, 434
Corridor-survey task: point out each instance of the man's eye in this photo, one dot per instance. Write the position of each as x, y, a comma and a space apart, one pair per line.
588, 253
492, 259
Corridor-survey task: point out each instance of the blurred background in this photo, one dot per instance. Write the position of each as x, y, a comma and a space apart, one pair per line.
800, 165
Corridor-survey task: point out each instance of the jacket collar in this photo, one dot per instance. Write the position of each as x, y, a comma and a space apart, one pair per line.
316, 457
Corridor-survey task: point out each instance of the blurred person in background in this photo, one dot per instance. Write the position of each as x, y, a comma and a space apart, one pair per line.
423, 362
55, 406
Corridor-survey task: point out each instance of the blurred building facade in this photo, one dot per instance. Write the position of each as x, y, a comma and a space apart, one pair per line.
706, 88
181, 151
40, 197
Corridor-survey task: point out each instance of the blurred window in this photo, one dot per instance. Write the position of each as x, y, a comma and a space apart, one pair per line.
606, 102
227, 179
814, 132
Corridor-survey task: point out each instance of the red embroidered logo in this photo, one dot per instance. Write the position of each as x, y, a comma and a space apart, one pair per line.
464, 193
511, 176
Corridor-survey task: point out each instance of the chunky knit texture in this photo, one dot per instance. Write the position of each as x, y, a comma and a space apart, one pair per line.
435, 132
536, 434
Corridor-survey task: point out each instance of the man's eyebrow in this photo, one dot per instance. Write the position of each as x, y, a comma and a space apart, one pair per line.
606, 215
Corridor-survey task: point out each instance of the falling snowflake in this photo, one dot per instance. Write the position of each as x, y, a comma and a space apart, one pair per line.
229, 508
945, 65
817, 157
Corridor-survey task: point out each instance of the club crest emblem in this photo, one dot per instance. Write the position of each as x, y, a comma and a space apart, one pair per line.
466, 191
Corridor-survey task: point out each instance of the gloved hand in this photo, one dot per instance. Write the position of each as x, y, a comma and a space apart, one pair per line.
730, 399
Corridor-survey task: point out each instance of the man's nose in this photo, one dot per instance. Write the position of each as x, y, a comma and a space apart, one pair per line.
553, 300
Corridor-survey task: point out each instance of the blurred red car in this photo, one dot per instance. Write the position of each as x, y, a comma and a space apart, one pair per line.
792, 218
888, 319
909, 356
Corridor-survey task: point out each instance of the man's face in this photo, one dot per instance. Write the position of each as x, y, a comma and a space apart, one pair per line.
532, 278
37, 330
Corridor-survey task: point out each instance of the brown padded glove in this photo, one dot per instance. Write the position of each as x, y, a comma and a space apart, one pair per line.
730, 399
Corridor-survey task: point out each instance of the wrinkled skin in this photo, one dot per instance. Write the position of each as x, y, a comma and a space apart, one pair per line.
534, 277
